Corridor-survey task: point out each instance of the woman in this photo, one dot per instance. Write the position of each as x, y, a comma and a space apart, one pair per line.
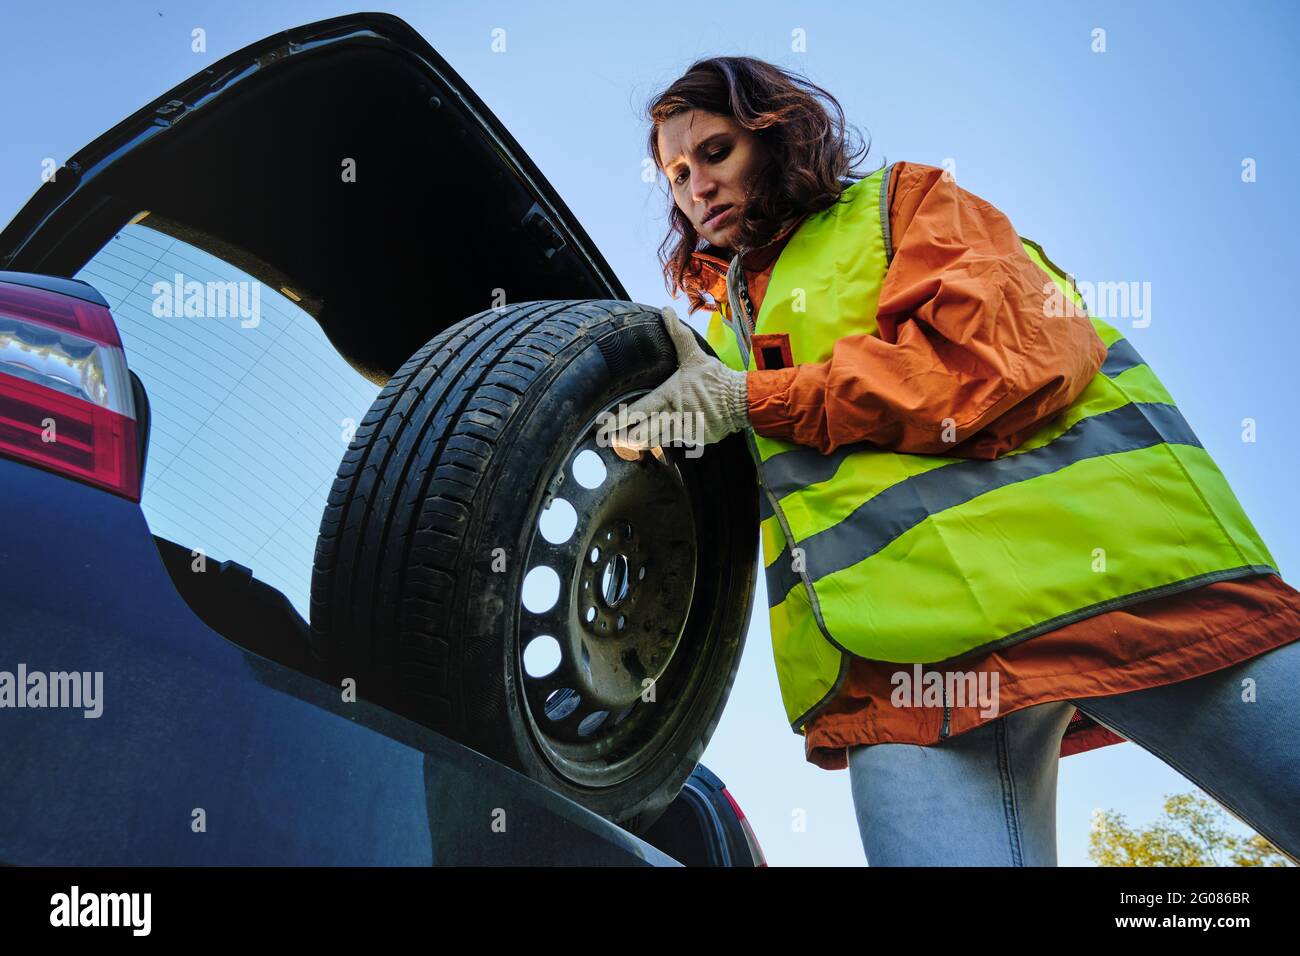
958, 472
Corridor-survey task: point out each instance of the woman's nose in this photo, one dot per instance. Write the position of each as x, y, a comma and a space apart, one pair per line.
703, 186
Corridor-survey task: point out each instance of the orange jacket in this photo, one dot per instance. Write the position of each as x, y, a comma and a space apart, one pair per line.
961, 335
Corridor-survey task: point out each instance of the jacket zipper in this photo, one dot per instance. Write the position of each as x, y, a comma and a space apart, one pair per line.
746, 306
943, 731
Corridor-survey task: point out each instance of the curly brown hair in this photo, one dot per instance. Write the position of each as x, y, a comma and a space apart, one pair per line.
803, 129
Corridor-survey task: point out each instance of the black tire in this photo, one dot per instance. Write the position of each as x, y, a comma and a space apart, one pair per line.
442, 486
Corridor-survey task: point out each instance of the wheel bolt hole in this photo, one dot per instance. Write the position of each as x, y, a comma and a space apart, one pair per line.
591, 614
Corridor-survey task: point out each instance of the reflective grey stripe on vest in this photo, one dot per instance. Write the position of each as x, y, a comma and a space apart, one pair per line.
1120, 357
788, 471
901, 507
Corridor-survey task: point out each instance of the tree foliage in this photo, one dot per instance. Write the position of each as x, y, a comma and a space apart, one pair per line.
1192, 832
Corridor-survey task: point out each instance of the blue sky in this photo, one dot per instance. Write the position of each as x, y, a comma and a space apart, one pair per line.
1125, 165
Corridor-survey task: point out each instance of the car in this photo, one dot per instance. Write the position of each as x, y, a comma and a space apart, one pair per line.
301, 368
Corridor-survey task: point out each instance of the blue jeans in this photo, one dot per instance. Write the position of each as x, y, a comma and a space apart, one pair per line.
988, 796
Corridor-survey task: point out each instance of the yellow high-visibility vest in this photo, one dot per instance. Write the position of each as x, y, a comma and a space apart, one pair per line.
926, 558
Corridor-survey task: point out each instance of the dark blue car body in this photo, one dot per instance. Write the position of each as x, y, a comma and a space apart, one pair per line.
282, 769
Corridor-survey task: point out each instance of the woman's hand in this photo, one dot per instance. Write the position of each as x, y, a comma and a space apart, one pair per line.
702, 402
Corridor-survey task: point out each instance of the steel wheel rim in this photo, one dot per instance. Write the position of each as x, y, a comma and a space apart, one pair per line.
626, 582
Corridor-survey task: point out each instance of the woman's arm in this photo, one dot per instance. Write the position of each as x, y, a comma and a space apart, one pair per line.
966, 334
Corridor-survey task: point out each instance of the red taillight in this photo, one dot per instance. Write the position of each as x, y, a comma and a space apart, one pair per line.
62, 312
755, 850
65, 392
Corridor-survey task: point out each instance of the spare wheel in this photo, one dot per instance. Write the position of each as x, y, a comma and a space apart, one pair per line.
487, 568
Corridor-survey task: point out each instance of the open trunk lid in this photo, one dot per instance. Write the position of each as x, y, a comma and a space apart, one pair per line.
443, 216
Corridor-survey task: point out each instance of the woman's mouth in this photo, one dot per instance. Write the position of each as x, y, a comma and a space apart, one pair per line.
719, 217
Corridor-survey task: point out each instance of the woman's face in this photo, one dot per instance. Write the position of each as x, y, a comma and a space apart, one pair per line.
710, 160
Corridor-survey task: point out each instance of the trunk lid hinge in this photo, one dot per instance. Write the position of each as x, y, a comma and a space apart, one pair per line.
538, 225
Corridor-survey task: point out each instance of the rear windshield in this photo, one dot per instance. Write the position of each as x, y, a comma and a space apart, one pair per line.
252, 407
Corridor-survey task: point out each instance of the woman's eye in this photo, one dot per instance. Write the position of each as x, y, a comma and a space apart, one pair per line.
713, 158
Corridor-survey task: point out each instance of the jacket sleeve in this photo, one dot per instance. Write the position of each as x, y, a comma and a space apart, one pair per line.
966, 341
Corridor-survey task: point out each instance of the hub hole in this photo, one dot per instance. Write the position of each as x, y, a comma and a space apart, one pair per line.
558, 522
614, 580
561, 703
589, 469
541, 589
541, 655
591, 723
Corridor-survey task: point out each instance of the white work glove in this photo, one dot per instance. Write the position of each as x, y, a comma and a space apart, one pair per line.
709, 399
